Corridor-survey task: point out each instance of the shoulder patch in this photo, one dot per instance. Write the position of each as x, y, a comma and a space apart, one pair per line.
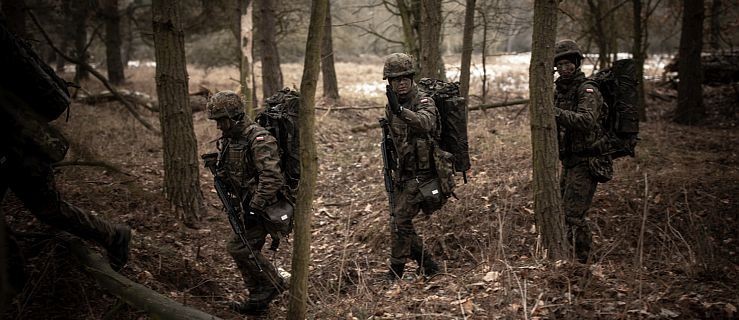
424, 100
589, 90
259, 138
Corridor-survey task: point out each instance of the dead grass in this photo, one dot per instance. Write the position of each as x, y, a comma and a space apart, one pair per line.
485, 240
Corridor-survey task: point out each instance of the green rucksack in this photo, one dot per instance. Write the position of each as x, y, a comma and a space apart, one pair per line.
280, 118
617, 85
452, 109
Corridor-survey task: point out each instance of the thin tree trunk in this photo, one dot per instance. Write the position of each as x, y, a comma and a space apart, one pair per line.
690, 107
547, 198
247, 58
328, 70
469, 30
308, 164
430, 38
113, 42
716, 25
410, 38
638, 53
181, 165
67, 31
5, 291
266, 38
484, 57
80, 14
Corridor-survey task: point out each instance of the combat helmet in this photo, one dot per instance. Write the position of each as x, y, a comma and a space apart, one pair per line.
225, 104
398, 64
567, 47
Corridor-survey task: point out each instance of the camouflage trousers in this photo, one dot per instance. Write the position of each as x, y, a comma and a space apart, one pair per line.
578, 188
36, 189
406, 243
259, 283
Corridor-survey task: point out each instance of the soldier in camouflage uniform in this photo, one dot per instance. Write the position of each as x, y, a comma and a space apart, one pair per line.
413, 119
248, 162
29, 146
579, 110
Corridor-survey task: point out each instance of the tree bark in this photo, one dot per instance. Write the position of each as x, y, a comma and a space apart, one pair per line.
113, 42
690, 107
246, 44
638, 53
80, 14
328, 70
430, 38
469, 30
308, 164
132, 293
181, 166
15, 16
547, 198
410, 36
267, 40
716, 25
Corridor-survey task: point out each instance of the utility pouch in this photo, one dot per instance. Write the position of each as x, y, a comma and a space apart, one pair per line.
601, 168
444, 165
433, 199
280, 215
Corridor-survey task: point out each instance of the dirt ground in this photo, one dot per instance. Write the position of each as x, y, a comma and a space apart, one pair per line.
665, 228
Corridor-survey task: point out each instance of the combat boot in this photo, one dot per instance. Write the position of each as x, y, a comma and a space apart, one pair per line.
396, 271
426, 265
118, 248
260, 298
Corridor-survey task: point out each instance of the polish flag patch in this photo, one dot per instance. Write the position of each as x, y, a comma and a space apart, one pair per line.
590, 90
260, 138
424, 100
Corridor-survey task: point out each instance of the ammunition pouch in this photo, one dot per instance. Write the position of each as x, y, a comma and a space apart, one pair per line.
280, 216
433, 199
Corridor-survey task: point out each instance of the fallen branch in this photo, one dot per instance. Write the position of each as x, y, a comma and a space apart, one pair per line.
134, 294
103, 164
197, 100
365, 127
349, 108
499, 104
95, 73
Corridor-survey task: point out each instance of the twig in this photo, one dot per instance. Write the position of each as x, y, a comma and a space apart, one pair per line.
129, 106
641, 233
91, 164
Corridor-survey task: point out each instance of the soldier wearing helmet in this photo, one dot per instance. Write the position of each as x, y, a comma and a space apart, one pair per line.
412, 118
248, 163
579, 111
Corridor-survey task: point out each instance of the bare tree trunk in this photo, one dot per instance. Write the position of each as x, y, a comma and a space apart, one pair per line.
484, 57
246, 42
5, 290
328, 70
638, 53
308, 164
469, 30
598, 31
67, 31
113, 42
690, 107
181, 165
15, 16
266, 38
80, 14
430, 38
410, 38
716, 25
547, 198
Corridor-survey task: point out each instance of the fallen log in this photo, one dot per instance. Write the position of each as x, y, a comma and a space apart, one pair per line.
197, 100
132, 293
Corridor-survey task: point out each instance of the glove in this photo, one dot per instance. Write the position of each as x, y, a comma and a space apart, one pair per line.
392, 100
210, 159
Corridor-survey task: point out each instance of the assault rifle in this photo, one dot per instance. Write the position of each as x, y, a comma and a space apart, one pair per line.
389, 153
234, 217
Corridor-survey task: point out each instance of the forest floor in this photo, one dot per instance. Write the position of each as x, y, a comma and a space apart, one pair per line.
665, 228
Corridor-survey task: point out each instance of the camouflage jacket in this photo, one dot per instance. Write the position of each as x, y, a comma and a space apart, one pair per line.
579, 108
250, 165
411, 130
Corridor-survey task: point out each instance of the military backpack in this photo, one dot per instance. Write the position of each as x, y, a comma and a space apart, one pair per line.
452, 109
280, 118
617, 85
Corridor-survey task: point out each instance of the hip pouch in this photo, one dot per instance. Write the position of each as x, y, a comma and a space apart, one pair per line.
280, 215
433, 199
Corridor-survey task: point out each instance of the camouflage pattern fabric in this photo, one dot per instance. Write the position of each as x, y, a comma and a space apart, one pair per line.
411, 130
579, 112
250, 168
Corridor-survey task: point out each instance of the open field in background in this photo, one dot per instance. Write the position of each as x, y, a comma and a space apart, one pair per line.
664, 228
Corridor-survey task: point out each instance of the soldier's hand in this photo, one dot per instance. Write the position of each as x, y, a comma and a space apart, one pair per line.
392, 100
210, 159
